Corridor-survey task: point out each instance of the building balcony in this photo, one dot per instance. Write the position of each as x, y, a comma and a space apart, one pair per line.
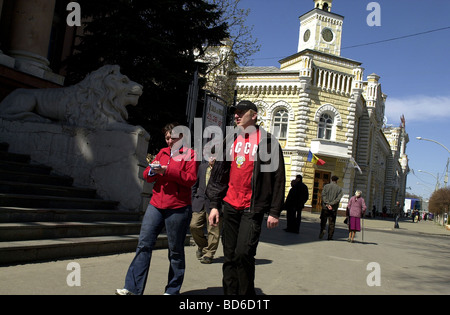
329, 148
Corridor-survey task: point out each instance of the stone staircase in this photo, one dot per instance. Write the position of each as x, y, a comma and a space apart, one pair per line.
43, 217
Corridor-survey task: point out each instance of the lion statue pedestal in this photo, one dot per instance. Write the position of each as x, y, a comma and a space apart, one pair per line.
80, 131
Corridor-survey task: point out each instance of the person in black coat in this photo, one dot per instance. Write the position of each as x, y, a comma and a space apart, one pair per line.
294, 204
207, 246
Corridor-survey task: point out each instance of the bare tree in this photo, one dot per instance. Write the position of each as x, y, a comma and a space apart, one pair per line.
242, 42
235, 51
440, 201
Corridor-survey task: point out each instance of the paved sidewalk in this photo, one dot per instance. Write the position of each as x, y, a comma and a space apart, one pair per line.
410, 260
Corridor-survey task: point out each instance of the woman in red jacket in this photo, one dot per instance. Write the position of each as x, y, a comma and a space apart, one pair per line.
173, 173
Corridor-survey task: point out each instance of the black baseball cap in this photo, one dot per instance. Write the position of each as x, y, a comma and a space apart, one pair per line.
244, 106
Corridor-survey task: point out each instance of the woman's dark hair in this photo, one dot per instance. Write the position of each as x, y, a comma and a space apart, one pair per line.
169, 127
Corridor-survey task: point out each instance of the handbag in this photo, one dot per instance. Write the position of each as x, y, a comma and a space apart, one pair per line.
347, 213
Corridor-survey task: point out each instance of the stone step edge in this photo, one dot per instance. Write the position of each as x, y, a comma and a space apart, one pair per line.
56, 198
68, 224
23, 252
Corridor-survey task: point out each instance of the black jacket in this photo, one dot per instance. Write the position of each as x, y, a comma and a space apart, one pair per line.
297, 197
268, 180
199, 199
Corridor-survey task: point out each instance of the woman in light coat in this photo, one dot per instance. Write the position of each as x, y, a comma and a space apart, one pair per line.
356, 209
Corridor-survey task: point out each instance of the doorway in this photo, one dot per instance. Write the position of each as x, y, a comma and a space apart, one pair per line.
321, 178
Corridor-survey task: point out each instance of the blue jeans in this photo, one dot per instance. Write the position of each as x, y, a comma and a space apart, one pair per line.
176, 222
397, 217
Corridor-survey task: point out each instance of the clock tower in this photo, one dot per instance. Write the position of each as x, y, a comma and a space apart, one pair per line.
320, 29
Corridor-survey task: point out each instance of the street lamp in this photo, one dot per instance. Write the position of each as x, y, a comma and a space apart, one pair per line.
437, 179
446, 173
420, 138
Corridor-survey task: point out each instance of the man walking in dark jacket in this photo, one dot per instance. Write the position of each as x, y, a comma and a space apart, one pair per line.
331, 197
294, 204
250, 182
207, 246
397, 211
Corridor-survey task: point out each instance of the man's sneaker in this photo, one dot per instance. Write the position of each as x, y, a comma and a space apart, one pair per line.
123, 292
199, 254
206, 260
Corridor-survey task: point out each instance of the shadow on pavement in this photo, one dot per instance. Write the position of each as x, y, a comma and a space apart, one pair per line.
214, 291
258, 261
309, 232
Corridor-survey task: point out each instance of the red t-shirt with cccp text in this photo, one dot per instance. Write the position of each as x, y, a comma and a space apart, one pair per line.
243, 154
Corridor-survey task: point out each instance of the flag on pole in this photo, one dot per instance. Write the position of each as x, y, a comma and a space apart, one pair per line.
314, 159
355, 165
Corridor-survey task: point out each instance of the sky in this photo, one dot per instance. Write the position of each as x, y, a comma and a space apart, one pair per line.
414, 71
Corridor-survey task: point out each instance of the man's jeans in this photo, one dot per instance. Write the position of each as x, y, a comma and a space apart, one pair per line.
397, 217
240, 237
176, 222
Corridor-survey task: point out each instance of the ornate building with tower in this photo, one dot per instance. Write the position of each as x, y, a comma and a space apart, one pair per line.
318, 101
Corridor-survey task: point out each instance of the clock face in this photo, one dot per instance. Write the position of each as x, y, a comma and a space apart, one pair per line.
327, 35
306, 35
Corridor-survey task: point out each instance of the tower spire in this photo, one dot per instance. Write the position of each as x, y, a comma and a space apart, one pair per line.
323, 5
320, 29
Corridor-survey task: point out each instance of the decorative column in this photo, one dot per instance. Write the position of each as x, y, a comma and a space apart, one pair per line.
1, 7
4, 59
31, 26
358, 74
304, 101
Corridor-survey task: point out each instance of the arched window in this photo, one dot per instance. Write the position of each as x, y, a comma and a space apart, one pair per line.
280, 124
325, 126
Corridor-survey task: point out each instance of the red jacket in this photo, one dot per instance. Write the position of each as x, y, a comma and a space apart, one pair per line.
173, 189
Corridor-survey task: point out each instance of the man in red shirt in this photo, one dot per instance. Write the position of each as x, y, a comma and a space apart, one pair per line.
249, 183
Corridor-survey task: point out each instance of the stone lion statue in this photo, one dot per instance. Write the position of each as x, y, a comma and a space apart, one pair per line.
97, 102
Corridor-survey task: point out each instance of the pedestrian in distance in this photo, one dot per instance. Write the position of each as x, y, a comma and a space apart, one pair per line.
173, 173
249, 182
385, 209
206, 246
331, 197
356, 208
294, 204
396, 212
416, 216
